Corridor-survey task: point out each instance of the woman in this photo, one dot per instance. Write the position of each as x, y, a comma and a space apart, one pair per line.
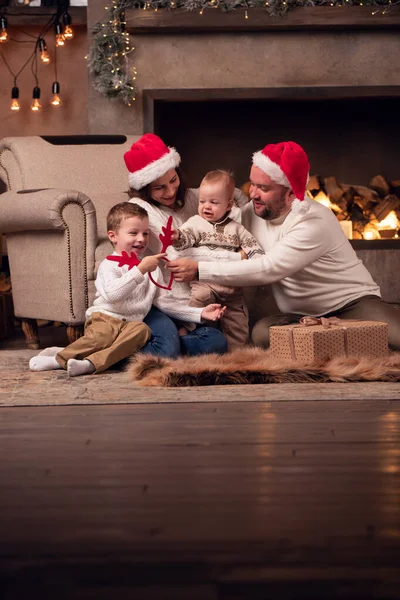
156, 185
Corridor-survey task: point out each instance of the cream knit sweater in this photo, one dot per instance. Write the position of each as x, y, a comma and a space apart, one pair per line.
308, 260
128, 295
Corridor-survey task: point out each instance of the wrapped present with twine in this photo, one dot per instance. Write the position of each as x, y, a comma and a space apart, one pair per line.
320, 338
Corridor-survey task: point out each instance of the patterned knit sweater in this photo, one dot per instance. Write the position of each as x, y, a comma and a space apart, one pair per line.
128, 295
158, 217
225, 234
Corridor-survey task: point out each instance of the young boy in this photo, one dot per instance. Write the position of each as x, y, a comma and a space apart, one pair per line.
214, 229
114, 329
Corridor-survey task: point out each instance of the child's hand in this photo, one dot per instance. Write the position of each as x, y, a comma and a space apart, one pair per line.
150, 263
243, 254
213, 312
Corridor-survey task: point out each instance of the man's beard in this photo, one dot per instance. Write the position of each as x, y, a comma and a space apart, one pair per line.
268, 213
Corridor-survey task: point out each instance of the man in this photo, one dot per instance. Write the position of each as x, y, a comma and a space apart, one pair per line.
310, 264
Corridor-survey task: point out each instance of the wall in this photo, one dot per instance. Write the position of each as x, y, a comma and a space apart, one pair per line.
72, 116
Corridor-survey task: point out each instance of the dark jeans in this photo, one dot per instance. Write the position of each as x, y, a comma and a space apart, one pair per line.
366, 308
165, 340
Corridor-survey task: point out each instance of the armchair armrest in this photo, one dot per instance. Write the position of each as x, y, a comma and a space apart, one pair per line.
33, 210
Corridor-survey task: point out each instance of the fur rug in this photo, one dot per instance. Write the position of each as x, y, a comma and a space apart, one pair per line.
253, 365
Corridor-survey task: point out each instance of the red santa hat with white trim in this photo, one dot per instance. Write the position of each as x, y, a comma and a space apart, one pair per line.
148, 159
285, 163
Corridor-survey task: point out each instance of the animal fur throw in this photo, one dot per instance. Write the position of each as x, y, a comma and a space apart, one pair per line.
253, 365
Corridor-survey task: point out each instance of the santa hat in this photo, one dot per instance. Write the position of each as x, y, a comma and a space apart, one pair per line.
148, 159
285, 163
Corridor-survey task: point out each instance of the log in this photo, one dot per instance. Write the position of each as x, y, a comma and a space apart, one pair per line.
368, 197
333, 189
379, 185
381, 210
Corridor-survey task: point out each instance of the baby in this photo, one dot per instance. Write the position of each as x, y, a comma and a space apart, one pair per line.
214, 229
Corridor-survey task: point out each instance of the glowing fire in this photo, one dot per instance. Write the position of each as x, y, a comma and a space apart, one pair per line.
389, 222
372, 231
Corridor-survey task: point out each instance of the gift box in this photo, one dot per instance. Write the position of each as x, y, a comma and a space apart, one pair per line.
319, 339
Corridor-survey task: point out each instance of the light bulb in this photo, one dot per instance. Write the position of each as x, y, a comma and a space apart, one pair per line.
59, 35
55, 90
44, 55
35, 106
14, 98
3, 30
68, 33
59, 40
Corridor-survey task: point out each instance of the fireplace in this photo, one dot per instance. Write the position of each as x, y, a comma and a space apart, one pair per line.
350, 133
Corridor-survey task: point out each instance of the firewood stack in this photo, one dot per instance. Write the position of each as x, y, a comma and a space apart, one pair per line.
363, 205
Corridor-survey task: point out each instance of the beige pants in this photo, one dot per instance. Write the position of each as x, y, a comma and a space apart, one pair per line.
106, 341
235, 322
366, 308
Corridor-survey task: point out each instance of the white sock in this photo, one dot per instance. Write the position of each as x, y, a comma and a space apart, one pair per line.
43, 363
50, 351
79, 367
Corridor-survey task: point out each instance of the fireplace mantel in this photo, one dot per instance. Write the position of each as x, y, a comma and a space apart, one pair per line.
302, 18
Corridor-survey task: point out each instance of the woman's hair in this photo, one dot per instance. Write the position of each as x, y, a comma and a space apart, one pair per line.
145, 193
121, 211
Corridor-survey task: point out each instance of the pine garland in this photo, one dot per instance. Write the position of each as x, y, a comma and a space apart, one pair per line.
108, 53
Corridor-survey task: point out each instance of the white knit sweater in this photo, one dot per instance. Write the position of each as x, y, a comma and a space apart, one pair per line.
128, 295
308, 260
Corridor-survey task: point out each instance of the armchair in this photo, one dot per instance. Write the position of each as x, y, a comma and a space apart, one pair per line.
53, 212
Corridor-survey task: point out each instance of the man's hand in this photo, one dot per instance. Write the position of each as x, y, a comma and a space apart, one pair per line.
213, 312
150, 263
184, 269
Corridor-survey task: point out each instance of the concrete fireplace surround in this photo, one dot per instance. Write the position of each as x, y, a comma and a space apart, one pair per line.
234, 60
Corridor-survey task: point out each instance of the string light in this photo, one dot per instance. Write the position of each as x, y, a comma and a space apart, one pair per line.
35, 106
68, 31
44, 55
55, 90
59, 35
14, 98
3, 30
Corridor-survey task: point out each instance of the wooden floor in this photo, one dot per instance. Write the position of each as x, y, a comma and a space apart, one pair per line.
287, 499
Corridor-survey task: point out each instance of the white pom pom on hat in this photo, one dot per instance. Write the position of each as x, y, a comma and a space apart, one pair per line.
148, 159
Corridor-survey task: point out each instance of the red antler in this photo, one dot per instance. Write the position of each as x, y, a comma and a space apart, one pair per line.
167, 238
125, 259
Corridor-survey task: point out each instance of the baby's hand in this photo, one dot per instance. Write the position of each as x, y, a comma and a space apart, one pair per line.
213, 312
150, 263
174, 234
242, 254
